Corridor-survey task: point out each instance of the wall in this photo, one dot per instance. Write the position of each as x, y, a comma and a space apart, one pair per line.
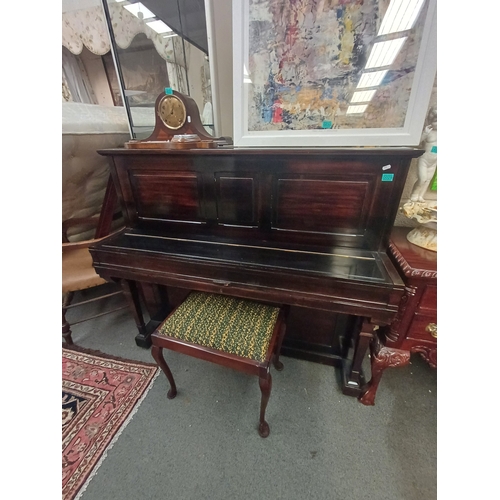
220, 36
196, 62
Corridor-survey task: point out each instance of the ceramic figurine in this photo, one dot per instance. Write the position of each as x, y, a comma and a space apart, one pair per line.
428, 161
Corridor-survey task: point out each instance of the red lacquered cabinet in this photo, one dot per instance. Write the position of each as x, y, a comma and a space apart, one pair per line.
414, 329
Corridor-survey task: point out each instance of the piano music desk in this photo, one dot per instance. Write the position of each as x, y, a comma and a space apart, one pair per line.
307, 228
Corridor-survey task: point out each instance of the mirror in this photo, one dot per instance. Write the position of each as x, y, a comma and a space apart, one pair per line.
169, 49
138, 49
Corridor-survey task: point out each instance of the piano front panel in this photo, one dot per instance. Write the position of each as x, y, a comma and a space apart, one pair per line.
322, 199
321, 204
171, 195
236, 198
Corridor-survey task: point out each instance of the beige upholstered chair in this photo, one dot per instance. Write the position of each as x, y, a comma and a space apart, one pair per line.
86, 128
78, 273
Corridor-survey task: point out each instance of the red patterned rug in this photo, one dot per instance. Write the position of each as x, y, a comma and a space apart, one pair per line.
100, 394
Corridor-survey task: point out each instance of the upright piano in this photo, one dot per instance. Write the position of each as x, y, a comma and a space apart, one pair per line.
305, 227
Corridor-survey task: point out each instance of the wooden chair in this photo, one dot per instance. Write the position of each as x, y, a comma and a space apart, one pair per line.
237, 333
77, 270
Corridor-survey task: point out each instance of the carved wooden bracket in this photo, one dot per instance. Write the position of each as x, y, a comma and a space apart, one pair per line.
381, 358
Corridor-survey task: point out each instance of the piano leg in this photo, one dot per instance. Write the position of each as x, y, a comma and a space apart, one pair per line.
157, 306
131, 292
353, 379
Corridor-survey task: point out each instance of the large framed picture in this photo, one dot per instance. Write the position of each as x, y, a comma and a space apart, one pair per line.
332, 72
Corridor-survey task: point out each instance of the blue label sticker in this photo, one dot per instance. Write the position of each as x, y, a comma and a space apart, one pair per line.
387, 177
327, 124
434, 149
168, 91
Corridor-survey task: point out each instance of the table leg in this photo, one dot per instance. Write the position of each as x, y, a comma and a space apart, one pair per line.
382, 357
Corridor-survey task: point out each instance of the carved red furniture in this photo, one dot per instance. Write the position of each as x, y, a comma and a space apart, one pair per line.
241, 334
414, 329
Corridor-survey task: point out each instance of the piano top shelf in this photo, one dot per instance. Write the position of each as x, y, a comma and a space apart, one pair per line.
355, 152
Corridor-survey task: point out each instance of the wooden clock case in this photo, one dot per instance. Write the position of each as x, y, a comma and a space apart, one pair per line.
193, 125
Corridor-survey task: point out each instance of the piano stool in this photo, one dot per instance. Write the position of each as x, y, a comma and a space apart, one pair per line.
241, 334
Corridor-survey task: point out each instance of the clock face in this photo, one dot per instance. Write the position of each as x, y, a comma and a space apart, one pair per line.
172, 112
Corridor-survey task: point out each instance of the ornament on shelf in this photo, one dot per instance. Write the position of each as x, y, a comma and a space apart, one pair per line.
424, 212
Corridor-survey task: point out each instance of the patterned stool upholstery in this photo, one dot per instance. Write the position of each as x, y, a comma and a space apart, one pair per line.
238, 333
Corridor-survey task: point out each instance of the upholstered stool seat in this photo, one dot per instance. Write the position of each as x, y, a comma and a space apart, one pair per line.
238, 333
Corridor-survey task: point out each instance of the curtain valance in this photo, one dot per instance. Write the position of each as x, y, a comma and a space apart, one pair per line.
88, 27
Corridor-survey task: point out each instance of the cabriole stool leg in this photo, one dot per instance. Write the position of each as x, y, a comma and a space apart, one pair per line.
276, 358
265, 384
160, 360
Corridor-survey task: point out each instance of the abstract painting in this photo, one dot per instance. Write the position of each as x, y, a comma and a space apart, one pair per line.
312, 65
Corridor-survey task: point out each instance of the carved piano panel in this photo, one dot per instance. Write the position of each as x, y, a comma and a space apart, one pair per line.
167, 195
314, 199
322, 204
236, 198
